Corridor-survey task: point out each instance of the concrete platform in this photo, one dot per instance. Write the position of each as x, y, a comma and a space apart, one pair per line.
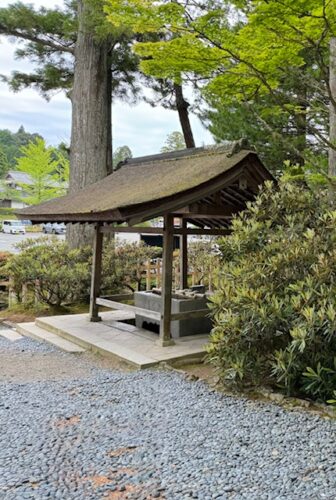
35, 332
10, 334
125, 341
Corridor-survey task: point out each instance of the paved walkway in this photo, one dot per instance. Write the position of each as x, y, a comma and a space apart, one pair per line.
79, 427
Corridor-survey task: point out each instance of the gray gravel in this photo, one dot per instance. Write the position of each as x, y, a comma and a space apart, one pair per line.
152, 434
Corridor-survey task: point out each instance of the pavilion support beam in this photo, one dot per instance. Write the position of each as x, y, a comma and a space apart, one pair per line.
183, 257
167, 278
96, 273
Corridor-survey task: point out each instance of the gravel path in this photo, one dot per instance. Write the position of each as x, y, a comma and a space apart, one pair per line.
114, 434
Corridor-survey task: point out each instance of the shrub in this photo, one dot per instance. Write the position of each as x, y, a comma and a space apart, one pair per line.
203, 259
123, 264
275, 308
62, 273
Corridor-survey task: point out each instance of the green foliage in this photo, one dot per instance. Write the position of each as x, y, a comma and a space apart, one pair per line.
4, 165
37, 161
48, 39
62, 272
275, 308
11, 144
174, 142
123, 265
266, 65
203, 258
121, 154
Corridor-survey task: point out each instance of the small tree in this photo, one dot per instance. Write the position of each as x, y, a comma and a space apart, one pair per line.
121, 154
38, 161
174, 142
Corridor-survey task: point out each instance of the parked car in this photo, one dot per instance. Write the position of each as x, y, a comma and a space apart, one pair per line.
13, 227
54, 228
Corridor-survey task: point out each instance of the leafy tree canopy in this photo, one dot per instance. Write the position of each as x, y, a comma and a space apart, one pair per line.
271, 53
121, 154
48, 39
11, 143
38, 161
4, 165
174, 142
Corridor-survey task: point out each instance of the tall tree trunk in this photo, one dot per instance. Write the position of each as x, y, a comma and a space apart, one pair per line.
182, 108
332, 110
90, 155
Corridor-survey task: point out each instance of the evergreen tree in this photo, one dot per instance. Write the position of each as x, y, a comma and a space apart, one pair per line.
76, 51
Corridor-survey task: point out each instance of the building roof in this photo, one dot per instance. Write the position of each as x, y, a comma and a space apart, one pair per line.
18, 177
150, 186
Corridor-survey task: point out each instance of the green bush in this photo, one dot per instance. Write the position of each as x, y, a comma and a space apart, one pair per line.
62, 273
275, 307
123, 265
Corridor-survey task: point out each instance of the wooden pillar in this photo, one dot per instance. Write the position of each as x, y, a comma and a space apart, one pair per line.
96, 273
167, 278
183, 257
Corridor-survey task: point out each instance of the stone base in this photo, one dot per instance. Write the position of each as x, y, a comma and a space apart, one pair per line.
183, 328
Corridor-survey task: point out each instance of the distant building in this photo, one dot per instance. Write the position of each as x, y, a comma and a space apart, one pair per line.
11, 185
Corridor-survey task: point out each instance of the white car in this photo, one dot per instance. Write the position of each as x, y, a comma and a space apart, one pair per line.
54, 228
13, 227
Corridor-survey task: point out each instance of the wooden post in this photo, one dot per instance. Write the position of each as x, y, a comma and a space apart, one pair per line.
183, 258
12, 298
332, 109
158, 273
167, 277
96, 273
148, 275
37, 290
24, 293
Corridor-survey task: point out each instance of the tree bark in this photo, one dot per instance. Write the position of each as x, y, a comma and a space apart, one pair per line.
91, 145
332, 110
182, 108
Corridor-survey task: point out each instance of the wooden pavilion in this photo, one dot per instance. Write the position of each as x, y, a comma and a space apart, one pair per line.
202, 188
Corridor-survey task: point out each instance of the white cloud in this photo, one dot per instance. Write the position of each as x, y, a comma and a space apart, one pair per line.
141, 127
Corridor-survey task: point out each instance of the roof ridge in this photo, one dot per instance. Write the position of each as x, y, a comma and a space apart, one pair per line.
230, 148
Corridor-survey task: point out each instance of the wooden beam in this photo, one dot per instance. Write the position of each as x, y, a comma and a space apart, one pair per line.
183, 257
195, 215
201, 231
168, 204
131, 229
112, 304
167, 278
96, 273
160, 230
204, 209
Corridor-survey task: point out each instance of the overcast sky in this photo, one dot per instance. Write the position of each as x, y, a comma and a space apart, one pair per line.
141, 127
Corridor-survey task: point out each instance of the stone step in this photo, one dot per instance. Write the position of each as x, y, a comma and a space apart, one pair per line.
38, 333
10, 334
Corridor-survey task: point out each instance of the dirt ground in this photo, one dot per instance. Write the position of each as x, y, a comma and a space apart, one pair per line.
39, 366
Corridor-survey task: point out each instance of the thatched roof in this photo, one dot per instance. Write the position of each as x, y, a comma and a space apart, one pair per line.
153, 184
